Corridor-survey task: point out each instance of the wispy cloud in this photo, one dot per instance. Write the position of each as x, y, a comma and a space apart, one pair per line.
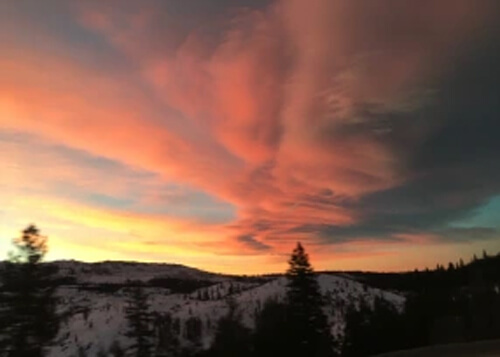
333, 122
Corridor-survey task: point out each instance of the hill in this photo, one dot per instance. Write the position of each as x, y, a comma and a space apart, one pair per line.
93, 298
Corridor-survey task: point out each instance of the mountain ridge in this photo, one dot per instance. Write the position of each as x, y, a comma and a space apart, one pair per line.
94, 301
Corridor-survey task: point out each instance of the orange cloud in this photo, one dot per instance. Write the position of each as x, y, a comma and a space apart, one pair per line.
279, 114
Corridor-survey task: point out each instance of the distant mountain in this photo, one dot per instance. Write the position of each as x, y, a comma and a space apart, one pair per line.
119, 272
93, 298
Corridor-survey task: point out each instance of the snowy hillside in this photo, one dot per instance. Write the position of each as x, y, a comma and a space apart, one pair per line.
112, 272
93, 305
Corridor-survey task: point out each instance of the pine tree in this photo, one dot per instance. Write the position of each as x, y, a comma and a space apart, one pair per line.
271, 337
193, 331
116, 350
451, 267
139, 320
167, 332
357, 329
232, 338
28, 304
310, 334
372, 329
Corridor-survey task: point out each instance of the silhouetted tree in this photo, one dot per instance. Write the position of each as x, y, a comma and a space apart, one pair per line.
116, 350
308, 326
357, 329
193, 331
28, 303
451, 267
232, 338
167, 333
139, 319
271, 336
371, 330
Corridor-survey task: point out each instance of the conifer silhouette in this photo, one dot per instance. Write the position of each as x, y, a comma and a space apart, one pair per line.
28, 301
309, 330
139, 320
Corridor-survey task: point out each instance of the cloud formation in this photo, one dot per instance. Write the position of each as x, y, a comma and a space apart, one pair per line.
332, 122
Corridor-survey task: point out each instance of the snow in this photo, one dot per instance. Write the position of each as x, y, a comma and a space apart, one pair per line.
94, 319
123, 272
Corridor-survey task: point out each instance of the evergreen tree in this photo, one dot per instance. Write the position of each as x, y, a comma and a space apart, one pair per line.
271, 337
232, 338
371, 330
28, 303
357, 341
139, 320
451, 267
309, 331
167, 332
193, 331
116, 350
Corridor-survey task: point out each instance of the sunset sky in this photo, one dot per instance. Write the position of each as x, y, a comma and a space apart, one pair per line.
218, 133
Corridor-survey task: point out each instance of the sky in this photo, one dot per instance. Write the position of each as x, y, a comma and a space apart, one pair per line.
218, 133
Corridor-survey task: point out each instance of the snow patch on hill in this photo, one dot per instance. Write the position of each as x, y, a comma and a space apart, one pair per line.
93, 319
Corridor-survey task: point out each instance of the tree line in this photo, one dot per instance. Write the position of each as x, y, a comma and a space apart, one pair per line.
29, 321
460, 303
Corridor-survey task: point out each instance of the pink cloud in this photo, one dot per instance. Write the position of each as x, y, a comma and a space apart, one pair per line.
261, 116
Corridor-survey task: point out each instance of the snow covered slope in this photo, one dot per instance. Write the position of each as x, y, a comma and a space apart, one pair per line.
94, 317
114, 272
